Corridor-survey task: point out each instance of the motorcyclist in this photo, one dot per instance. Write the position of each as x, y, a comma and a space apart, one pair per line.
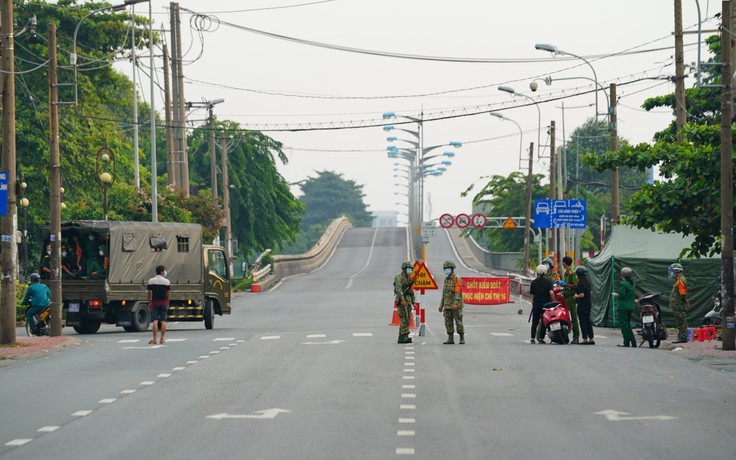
38, 296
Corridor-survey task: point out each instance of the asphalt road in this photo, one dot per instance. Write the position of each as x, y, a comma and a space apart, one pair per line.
311, 370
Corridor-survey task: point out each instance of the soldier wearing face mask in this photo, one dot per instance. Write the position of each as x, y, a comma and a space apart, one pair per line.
452, 304
45, 271
96, 267
404, 298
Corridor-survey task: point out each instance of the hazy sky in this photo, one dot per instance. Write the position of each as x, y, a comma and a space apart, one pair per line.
275, 85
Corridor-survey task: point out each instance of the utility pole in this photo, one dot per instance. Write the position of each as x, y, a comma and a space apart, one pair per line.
181, 162
727, 311
528, 217
213, 152
552, 184
184, 164
55, 185
613, 130
170, 158
226, 204
8, 246
680, 107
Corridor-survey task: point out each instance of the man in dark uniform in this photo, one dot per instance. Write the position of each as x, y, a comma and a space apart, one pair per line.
404, 298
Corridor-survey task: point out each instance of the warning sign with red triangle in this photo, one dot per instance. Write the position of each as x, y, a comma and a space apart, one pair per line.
509, 223
424, 279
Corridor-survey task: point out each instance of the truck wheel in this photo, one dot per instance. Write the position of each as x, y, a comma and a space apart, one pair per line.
209, 314
140, 318
88, 326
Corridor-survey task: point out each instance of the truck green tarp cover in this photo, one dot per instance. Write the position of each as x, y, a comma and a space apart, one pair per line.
648, 254
133, 253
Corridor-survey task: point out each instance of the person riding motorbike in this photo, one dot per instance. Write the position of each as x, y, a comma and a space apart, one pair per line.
38, 296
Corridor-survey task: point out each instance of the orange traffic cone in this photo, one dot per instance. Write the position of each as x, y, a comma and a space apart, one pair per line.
395, 320
412, 324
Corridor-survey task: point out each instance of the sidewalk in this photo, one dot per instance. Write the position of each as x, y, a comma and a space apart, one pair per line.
34, 347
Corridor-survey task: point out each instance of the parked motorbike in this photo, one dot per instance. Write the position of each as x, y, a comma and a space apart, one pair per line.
652, 329
713, 317
43, 323
556, 318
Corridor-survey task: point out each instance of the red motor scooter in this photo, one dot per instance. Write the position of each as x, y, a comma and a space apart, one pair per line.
556, 318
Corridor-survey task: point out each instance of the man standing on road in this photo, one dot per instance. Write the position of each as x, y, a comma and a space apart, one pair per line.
541, 290
568, 292
159, 294
452, 304
678, 301
404, 298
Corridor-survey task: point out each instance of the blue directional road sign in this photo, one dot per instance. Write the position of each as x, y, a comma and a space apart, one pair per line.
560, 214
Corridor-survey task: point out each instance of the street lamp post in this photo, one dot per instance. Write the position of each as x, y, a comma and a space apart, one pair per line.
73, 57
510, 90
555, 51
105, 167
24, 236
528, 216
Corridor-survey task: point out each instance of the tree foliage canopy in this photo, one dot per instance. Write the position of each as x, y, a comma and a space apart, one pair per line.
264, 212
329, 196
687, 198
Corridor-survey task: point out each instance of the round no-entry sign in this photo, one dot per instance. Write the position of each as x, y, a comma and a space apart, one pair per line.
478, 220
462, 220
446, 220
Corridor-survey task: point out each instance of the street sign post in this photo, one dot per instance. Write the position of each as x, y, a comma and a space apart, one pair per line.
462, 220
479, 220
446, 220
560, 214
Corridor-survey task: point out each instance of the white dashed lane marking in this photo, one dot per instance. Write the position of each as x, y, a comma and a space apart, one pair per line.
18, 442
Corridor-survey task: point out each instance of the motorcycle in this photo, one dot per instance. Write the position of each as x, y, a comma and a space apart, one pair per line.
713, 317
556, 318
43, 323
652, 329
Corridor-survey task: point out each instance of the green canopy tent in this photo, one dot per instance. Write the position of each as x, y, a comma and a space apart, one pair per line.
648, 254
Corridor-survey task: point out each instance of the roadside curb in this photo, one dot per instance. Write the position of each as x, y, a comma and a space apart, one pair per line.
33, 347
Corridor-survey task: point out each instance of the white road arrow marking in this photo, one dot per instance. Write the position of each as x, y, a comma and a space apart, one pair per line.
331, 342
262, 414
616, 416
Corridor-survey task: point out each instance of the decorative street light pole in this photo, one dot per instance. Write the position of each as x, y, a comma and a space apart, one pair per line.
104, 164
24, 236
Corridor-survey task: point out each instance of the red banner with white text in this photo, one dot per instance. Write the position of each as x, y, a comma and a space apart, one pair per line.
486, 291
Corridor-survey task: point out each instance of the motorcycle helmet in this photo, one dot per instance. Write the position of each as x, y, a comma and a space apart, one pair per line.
541, 270
34, 278
548, 262
581, 271
674, 268
448, 264
406, 265
626, 272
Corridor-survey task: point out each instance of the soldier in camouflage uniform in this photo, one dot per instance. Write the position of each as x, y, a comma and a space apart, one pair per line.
404, 298
452, 304
678, 301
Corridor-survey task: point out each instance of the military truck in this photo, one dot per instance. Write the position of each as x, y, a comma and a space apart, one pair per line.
112, 289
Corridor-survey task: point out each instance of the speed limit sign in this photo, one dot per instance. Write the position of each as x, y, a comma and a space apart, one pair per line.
478, 220
446, 220
462, 220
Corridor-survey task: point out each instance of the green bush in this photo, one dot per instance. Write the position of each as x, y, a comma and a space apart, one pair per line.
20, 292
